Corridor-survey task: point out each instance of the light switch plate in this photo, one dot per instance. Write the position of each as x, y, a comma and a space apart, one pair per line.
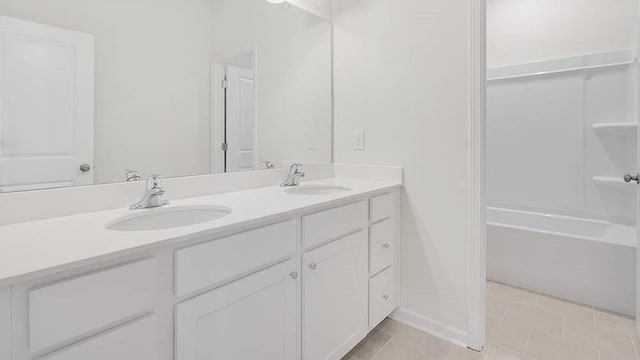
358, 140
312, 141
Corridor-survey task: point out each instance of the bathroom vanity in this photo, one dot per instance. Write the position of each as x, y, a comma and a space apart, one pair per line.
284, 275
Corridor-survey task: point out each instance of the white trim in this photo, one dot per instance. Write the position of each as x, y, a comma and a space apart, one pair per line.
637, 74
569, 64
218, 73
476, 292
431, 326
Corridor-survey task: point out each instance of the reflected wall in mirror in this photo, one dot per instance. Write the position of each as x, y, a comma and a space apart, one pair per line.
94, 92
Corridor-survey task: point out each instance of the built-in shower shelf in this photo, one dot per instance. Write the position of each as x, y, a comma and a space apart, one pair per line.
612, 181
617, 128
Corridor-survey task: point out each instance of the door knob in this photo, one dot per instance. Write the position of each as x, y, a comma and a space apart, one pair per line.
630, 178
85, 168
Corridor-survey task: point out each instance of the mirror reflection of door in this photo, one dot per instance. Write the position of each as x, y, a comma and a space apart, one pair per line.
236, 120
46, 97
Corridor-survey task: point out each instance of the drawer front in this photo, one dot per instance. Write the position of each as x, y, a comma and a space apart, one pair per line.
382, 296
76, 307
383, 206
382, 247
334, 223
137, 341
216, 261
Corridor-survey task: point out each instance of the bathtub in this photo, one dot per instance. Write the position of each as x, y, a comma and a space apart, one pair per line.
583, 260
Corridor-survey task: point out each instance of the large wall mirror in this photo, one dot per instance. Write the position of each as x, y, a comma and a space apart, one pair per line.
95, 91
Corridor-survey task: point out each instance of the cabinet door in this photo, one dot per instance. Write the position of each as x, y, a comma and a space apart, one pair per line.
254, 318
335, 297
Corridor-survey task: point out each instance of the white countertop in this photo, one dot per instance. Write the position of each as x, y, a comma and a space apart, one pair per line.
32, 249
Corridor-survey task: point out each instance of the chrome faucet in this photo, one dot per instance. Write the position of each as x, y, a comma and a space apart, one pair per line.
294, 176
152, 196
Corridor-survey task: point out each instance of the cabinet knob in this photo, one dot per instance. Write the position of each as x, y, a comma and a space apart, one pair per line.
385, 297
313, 266
85, 168
294, 275
386, 246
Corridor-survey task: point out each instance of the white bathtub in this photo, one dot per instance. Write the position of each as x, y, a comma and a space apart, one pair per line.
588, 261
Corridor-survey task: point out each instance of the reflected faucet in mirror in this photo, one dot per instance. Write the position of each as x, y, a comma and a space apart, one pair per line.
152, 196
294, 176
132, 175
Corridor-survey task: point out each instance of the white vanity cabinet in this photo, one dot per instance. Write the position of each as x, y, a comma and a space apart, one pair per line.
98, 313
255, 317
306, 286
383, 256
335, 297
5, 323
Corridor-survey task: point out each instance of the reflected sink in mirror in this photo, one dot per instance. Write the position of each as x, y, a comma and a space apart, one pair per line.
168, 218
316, 190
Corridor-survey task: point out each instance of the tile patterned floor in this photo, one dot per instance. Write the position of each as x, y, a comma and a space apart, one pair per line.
521, 325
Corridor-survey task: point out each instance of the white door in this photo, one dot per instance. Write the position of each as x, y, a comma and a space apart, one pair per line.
335, 298
240, 119
253, 318
46, 106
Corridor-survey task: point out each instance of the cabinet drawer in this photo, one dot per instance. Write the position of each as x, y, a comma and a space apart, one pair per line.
382, 296
382, 248
212, 263
334, 223
383, 206
72, 308
137, 341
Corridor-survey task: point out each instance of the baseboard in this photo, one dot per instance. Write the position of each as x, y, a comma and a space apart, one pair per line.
431, 326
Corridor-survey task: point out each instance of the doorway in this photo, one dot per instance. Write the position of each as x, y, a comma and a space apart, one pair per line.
561, 132
234, 121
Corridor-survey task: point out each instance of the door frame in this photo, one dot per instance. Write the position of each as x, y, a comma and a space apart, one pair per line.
218, 107
477, 270
637, 65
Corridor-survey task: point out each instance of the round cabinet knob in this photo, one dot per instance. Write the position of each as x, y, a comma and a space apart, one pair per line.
385, 297
294, 275
85, 168
630, 178
313, 266
386, 246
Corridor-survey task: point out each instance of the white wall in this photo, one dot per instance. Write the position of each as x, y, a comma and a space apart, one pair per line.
521, 31
402, 76
322, 8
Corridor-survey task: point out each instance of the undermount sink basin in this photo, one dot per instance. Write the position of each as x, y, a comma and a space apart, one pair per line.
167, 218
316, 190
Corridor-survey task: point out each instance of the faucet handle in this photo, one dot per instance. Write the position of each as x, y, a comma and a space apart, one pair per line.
294, 168
153, 182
